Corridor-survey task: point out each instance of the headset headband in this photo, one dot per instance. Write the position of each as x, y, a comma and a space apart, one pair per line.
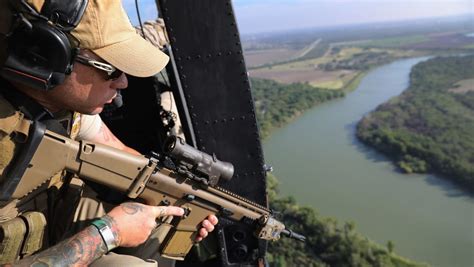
64, 14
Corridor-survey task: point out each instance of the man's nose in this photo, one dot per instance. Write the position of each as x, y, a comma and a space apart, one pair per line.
120, 83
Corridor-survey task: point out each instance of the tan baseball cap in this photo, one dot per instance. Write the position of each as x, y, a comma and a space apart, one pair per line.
106, 30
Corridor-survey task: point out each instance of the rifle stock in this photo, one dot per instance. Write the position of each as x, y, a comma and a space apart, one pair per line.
147, 178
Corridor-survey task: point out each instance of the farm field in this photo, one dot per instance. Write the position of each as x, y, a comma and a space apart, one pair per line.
337, 58
432, 41
463, 86
315, 77
314, 72
269, 56
445, 41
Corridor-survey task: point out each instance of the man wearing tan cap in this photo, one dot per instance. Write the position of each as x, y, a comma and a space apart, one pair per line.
62, 73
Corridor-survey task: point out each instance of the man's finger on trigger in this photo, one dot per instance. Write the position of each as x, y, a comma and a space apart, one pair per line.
167, 211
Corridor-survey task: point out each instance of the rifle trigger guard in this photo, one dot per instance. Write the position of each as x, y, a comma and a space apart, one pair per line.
139, 184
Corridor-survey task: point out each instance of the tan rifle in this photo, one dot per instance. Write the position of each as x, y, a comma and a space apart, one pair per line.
190, 184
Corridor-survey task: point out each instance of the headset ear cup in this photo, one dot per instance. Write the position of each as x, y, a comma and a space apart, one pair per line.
39, 57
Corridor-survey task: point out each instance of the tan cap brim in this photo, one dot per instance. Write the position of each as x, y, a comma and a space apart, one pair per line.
135, 56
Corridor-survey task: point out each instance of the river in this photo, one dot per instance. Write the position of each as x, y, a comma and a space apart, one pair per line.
319, 161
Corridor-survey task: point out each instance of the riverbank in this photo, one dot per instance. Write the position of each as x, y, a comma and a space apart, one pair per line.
328, 243
428, 128
277, 104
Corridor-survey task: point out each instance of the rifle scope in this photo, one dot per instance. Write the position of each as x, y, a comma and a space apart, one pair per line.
202, 162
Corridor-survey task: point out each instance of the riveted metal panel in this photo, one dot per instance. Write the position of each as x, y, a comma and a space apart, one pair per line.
206, 47
214, 90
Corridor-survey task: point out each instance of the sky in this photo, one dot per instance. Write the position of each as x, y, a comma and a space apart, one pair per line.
254, 16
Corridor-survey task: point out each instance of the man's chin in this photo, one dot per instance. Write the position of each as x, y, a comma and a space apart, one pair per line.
94, 111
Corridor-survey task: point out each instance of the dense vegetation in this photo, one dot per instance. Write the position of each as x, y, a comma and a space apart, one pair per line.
429, 128
276, 104
327, 243
360, 61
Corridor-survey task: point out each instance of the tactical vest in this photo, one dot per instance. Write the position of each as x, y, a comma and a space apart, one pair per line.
23, 222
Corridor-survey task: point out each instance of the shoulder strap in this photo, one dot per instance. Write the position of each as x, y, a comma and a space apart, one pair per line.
20, 162
25, 122
30, 109
11, 120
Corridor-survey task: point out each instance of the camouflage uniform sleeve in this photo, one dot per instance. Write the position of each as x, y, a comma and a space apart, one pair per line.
155, 33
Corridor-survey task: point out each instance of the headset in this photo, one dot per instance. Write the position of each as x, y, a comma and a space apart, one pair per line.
41, 50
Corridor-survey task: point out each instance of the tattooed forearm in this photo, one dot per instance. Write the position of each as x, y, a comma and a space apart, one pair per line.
79, 250
131, 208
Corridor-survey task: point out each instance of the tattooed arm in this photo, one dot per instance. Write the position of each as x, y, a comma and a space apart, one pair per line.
135, 221
131, 224
106, 137
80, 250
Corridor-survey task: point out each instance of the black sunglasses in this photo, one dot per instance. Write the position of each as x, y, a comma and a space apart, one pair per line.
112, 72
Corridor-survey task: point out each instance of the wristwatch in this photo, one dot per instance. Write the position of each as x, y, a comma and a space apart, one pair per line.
106, 234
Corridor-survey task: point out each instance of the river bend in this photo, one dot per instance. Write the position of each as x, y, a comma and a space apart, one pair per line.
320, 162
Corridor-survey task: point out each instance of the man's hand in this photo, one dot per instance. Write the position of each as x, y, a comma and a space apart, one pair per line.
207, 227
145, 222
133, 222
